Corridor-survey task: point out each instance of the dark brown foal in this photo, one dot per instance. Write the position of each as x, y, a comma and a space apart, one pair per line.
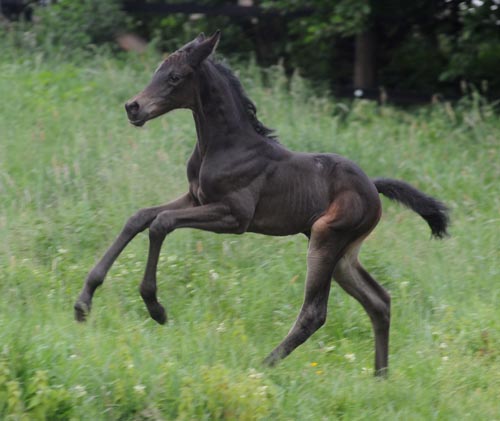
241, 179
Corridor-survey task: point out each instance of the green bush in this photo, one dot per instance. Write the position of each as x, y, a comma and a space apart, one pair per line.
70, 26
35, 400
220, 394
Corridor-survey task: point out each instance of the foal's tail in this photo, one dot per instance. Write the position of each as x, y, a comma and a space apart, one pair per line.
432, 210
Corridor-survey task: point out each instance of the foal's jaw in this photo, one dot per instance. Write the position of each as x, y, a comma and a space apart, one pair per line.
137, 123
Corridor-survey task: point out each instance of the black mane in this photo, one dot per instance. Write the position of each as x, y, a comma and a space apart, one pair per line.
247, 103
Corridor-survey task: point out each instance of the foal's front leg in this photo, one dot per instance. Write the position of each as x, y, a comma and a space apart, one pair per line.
135, 224
213, 217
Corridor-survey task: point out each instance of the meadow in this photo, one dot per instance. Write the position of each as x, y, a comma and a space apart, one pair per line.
72, 170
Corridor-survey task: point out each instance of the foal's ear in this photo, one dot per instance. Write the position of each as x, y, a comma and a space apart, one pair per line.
201, 37
201, 51
191, 44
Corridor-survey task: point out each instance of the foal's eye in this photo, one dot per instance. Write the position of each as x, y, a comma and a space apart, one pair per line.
173, 78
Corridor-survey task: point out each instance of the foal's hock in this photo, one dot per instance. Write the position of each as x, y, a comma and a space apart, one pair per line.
241, 179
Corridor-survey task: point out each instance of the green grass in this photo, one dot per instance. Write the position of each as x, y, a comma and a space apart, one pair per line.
72, 170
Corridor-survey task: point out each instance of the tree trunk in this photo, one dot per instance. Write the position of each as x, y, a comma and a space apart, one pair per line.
364, 65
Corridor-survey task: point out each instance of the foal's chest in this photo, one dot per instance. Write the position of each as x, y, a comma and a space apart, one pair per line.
217, 178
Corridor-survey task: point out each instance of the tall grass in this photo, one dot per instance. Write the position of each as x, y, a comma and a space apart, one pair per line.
72, 170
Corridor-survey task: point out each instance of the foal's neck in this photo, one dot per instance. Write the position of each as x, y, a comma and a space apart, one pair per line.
220, 116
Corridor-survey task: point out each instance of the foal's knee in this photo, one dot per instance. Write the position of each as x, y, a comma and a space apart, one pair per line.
160, 227
138, 222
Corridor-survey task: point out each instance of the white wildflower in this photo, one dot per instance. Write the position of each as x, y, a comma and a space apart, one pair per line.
139, 389
262, 390
254, 374
358, 93
79, 390
350, 357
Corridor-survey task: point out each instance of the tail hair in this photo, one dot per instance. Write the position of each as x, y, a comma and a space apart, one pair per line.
432, 210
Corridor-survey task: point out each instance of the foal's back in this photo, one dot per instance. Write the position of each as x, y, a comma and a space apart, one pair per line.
301, 187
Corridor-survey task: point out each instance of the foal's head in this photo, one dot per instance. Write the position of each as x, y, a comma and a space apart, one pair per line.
172, 85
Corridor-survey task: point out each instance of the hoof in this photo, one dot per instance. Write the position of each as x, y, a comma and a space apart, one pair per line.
382, 373
81, 311
157, 312
270, 361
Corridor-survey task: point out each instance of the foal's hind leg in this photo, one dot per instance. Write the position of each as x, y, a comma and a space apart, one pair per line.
357, 282
325, 249
137, 223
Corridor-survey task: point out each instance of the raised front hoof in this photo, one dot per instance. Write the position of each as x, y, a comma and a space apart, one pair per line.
82, 310
271, 360
157, 313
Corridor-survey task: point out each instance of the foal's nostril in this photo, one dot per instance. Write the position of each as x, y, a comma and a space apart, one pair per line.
132, 107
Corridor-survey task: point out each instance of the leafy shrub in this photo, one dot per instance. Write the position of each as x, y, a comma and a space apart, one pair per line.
36, 400
70, 26
220, 394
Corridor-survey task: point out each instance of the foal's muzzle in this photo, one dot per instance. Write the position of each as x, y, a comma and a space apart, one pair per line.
134, 114
132, 107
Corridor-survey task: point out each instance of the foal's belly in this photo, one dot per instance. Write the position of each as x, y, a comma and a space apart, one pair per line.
295, 196
286, 215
